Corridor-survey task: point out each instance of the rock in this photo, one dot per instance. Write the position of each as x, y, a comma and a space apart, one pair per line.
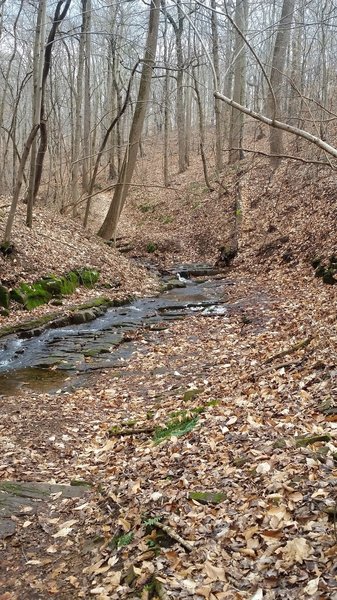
4, 297
56, 302
30, 296
39, 490
7, 528
6, 248
191, 394
87, 276
20, 498
77, 318
174, 283
53, 285
207, 497
194, 270
328, 277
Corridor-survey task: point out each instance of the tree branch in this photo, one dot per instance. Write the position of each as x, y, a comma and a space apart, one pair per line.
280, 125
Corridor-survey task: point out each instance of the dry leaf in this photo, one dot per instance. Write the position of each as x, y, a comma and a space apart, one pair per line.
312, 587
214, 573
296, 550
263, 468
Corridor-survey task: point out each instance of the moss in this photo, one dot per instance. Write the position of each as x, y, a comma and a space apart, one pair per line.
145, 208
30, 296
151, 247
69, 283
207, 497
52, 284
191, 394
43, 290
4, 297
313, 439
328, 277
87, 277
80, 483
316, 261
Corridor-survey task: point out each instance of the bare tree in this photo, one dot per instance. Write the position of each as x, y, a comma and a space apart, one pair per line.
39, 103
276, 77
109, 226
239, 87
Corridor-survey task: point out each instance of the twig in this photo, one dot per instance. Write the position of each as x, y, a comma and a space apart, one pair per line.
287, 156
294, 348
175, 536
131, 432
276, 368
159, 589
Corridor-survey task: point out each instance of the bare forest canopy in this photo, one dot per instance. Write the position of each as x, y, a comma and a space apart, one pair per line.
85, 83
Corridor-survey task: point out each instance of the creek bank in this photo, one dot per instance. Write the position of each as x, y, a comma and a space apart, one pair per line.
47, 288
77, 313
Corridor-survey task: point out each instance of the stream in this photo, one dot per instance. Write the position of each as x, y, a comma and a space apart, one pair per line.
61, 358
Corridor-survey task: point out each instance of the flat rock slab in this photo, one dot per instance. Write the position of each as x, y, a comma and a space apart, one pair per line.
20, 498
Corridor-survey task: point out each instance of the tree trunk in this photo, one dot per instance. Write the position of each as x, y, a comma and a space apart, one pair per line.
87, 109
202, 132
78, 110
37, 162
276, 77
19, 179
38, 62
239, 86
109, 225
217, 102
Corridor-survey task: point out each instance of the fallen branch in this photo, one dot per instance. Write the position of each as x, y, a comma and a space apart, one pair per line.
294, 348
175, 536
286, 156
121, 433
283, 365
280, 125
159, 589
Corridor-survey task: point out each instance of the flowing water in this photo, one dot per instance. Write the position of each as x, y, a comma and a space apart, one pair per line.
61, 357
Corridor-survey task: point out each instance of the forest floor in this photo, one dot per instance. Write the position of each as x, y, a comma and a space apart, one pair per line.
247, 401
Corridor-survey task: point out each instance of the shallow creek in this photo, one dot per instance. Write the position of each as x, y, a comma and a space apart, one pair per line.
62, 357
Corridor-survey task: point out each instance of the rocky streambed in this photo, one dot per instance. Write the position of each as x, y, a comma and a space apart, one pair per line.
62, 355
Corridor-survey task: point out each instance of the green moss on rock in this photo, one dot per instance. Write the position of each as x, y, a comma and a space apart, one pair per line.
4, 297
30, 296
302, 442
207, 497
87, 277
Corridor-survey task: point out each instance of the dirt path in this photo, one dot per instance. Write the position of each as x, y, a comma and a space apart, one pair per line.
236, 423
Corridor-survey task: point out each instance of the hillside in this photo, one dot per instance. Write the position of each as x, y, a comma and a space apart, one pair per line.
237, 501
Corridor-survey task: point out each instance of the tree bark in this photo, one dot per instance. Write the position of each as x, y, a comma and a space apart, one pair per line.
109, 226
37, 162
78, 110
276, 77
239, 87
217, 102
